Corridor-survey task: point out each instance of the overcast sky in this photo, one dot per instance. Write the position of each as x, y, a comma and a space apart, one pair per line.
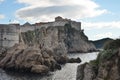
100, 18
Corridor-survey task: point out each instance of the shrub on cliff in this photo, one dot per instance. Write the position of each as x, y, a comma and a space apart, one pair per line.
114, 44
28, 37
106, 55
110, 48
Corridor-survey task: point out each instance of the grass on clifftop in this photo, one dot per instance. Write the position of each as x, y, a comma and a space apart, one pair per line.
113, 44
110, 49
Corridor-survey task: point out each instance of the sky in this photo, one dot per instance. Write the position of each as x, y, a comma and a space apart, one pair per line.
99, 18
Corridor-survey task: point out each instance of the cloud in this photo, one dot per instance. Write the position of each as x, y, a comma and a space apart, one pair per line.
100, 25
46, 10
103, 35
2, 16
1, 0
14, 21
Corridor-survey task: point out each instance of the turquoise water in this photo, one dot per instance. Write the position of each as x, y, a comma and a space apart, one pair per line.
68, 71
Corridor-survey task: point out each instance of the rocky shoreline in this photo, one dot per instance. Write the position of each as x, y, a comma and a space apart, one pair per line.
32, 59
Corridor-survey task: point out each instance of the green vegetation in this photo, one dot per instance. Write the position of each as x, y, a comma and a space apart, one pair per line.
110, 49
105, 55
105, 58
114, 44
29, 36
94, 62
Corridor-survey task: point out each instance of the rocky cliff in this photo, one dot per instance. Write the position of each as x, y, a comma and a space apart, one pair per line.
44, 49
65, 38
24, 58
105, 67
29, 59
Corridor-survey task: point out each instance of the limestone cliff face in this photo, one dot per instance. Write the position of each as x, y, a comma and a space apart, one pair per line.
105, 67
76, 40
62, 39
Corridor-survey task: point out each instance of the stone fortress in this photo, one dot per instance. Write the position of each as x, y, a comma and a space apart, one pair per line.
9, 33
59, 21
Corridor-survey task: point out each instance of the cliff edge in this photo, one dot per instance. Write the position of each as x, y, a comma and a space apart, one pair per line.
105, 67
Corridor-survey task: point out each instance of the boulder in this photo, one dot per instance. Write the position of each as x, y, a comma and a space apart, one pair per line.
40, 69
85, 72
62, 59
74, 60
58, 66
45, 55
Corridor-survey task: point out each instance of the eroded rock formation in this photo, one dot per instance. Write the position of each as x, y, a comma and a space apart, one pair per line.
29, 59
25, 58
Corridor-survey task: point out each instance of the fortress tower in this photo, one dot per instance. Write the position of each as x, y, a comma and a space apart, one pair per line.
8, 35
59, 21
59, 18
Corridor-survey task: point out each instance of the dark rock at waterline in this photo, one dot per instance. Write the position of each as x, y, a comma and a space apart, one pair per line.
57, 66
40, 69
73, 60
62, 59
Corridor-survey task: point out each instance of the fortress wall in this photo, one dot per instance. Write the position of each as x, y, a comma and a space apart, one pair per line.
8, 43
76, 25
9, 35
58, 23
27, 28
